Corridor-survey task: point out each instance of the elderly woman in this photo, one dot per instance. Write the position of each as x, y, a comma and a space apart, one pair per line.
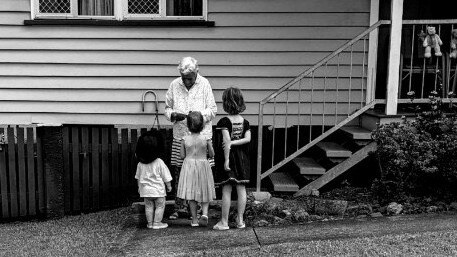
189, 92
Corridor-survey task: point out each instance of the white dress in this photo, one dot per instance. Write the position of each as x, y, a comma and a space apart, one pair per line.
196, 179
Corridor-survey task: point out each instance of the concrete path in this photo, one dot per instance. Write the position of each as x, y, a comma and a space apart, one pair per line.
181, 239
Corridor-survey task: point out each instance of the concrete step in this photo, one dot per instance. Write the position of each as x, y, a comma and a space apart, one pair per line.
334, 150
283, 182
308, 166
356, 133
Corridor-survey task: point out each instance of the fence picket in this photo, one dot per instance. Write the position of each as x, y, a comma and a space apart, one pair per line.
75, 169
21, 172
124, 162
95, 168
67, 171
105, 169
85, 168
133, 162
31, 172
40, 176
3, 179
114, 168
12, 172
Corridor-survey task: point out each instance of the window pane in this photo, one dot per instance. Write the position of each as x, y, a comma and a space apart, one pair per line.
96, 7
143, 6
184, 7
54, 6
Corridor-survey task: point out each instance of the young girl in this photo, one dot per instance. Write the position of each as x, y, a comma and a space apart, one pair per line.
152, 175
196, 182
232, 155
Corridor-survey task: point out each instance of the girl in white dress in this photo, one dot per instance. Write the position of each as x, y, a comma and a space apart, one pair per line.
196, 182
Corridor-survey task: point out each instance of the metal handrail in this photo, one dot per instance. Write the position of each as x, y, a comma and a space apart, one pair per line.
308, 72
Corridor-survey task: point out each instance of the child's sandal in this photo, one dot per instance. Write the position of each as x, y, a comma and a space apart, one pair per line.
203, 220
241, 225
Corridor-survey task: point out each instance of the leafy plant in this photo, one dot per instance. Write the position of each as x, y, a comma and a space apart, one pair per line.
418, 157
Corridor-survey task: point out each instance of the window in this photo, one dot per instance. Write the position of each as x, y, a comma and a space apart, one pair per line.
120, 9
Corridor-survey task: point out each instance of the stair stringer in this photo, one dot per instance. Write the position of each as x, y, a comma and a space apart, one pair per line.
339, 169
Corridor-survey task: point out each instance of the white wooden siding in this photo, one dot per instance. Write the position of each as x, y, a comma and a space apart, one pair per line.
97, 75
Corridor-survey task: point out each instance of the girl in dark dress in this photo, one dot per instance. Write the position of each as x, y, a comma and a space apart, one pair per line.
232, 139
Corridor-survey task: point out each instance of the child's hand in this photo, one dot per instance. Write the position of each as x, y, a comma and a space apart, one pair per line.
168, 189
226, 165
228, 144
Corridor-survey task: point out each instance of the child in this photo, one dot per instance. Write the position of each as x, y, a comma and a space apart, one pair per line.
232, 155
196, 182
152, 174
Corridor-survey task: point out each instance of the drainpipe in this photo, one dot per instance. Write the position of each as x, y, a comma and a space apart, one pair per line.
393, 76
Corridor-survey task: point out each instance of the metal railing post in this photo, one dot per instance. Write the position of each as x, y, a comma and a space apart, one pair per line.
259, 148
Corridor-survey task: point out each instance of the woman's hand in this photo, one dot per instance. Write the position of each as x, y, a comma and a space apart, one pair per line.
175, 116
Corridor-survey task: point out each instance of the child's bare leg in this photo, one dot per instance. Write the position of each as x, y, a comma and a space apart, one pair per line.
149, 210
226, 200
241, 203
193, 211
205, 207
159, 209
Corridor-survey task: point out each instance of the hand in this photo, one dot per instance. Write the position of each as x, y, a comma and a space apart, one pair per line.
175, 116
228, 144
168, 189
226, 165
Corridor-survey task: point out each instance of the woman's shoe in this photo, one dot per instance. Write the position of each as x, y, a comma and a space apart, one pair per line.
194, 224
203, 221
219, 226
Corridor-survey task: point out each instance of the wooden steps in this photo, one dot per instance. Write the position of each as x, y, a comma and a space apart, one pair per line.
283, 182
326, 156
333, 150
308, 166
356, 133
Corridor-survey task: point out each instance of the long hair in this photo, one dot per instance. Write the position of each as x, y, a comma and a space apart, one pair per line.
233, 101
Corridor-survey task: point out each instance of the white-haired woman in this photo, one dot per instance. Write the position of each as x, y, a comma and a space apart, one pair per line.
189, 92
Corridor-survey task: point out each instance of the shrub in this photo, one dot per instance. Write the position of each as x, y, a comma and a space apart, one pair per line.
419, 157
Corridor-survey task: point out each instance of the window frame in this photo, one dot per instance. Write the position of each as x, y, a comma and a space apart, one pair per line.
120, 13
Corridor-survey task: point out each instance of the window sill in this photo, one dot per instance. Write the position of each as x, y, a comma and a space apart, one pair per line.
147, 23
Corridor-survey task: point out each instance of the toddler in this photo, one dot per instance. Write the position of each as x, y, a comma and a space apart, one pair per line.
152, 175
196, 183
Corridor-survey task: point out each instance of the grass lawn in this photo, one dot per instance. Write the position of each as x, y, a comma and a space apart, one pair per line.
81, 235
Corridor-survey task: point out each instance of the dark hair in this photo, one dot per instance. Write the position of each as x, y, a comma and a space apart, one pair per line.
232, 101
195, 122
149, 146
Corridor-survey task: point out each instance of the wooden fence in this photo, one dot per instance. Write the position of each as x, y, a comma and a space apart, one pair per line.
100, 166
21, 173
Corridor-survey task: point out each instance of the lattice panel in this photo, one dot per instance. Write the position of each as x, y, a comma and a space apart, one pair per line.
143, 6
54, 6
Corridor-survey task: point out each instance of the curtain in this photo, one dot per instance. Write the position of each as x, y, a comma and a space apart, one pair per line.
96, 7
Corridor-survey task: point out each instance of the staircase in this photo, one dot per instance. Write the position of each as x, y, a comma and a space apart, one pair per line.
334, 105
325, 161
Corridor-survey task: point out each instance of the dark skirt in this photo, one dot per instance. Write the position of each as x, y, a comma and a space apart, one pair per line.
239, 163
